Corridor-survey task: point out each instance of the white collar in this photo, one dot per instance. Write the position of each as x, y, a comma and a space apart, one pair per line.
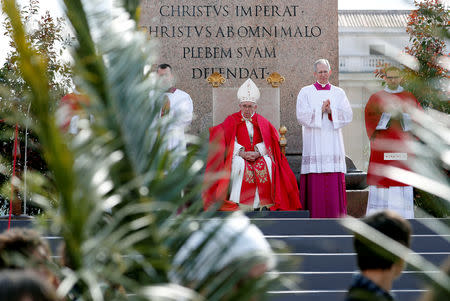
398, 90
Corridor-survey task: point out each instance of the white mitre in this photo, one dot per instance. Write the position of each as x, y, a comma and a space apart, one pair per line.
248, 92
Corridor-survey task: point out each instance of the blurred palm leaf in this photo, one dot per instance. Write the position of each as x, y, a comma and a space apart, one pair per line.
116, 185
429, 172
381, 241
431, 164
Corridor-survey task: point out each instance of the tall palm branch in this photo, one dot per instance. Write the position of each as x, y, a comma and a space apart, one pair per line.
117, 187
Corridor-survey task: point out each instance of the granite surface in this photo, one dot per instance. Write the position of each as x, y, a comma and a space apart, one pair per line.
242, 39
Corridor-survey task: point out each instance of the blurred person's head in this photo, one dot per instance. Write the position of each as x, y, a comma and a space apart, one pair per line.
21, 285
22, 248
26, 242
392, 77
166, 75
369, 256
219, 249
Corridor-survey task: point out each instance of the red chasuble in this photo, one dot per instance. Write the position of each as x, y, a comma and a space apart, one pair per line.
256, 174
283, 191
391, 140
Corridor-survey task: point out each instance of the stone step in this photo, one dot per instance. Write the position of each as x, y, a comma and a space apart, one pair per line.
313, 235
286, 223
312, 261
319, 281
321, 254
269, 214
339, 262
337, 295
293, 226
344, 243
27, 222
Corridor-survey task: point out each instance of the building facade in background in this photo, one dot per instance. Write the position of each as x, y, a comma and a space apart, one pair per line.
366, 39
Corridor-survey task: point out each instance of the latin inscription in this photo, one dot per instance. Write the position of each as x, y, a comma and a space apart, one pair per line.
258, 35
189, 31
198, 11
220, 52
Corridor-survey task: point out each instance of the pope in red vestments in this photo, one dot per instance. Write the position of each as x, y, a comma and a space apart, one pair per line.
246, 162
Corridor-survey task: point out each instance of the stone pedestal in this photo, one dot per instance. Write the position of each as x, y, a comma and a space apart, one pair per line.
357, 202
240, 40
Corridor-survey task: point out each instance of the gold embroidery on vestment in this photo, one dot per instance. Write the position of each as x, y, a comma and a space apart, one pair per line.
262, 175
261, 172
249, 175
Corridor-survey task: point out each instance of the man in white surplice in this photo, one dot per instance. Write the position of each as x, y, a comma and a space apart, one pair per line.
178, 106
322, 110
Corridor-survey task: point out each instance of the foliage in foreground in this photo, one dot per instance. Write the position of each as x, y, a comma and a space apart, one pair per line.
427, 78
117, 189
47, 35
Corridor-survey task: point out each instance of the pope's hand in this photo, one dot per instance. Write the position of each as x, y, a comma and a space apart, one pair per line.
254, 156
249, 156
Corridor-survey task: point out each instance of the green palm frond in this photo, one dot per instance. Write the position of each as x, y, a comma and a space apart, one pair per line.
122, 93
133, 8
117, 187
429, 172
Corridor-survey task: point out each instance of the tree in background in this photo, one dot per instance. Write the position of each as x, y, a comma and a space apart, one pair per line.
428, 29
48, 36
428, 80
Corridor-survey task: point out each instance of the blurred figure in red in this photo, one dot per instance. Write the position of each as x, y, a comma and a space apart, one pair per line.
71, 110
388, 126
